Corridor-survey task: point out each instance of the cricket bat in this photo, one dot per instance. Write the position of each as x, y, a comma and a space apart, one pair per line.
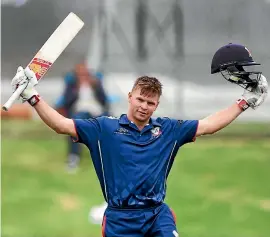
50, 51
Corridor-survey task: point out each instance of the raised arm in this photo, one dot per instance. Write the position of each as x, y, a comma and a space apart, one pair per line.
54, 120
51, 117
221, 119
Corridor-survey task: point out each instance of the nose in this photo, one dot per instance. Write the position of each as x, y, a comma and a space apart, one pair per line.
144, 105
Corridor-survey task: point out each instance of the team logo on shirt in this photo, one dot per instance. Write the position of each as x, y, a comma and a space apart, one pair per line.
156, 131
122, 131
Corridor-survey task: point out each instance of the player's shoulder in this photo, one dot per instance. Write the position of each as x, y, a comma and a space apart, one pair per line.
108, 120
163, 120
174, 123
167, 122
108, 123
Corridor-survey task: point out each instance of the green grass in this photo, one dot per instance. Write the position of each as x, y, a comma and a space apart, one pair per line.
217, 187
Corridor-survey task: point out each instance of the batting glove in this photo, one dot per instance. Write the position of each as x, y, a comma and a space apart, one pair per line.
26, 76
256, 96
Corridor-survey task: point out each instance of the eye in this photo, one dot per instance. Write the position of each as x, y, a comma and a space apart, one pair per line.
151, 103
140, 99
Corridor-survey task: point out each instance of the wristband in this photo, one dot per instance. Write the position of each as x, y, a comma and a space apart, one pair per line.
242, 103
34, 100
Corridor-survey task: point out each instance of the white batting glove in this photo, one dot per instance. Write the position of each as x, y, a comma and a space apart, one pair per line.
26, 76
256, 96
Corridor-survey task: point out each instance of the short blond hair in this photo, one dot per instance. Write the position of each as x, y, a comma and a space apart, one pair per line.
148, 85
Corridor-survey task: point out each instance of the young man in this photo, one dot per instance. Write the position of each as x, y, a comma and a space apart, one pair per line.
83, 97
133, 154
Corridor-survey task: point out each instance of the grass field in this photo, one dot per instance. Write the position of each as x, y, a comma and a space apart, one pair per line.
218, 186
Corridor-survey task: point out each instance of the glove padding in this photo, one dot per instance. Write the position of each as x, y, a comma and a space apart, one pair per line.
257, 95
25, 76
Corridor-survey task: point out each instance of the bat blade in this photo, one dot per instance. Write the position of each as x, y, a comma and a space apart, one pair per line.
50, 51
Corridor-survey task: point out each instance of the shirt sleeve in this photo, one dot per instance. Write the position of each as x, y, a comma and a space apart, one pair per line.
185, 130
88, 130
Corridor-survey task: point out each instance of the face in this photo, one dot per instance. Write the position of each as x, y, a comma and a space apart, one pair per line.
141, 107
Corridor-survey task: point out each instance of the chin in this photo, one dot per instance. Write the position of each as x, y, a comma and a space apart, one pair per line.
142, 118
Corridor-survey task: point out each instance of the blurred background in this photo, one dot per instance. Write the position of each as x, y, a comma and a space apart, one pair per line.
218, 186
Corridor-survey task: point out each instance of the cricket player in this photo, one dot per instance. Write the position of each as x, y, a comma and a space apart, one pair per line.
133, 154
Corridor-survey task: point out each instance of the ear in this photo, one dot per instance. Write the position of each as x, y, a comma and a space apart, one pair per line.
157, 106
129, 96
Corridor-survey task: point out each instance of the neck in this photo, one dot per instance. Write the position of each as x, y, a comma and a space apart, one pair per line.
139, 124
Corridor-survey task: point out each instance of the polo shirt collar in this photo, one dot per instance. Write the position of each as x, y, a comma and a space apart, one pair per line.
125, 121
154, 122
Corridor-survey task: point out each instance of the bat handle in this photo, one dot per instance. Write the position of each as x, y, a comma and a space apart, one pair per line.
14, 97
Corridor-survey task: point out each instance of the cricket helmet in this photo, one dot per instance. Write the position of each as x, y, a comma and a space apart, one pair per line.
233, 61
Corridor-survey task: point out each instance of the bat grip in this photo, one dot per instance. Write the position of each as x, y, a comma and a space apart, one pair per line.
14, 97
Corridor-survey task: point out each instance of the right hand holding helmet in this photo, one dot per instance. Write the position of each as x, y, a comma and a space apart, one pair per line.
256, 96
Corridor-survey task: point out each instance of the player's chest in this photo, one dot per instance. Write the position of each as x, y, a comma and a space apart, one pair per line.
137, 144
124, 135
133, 148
